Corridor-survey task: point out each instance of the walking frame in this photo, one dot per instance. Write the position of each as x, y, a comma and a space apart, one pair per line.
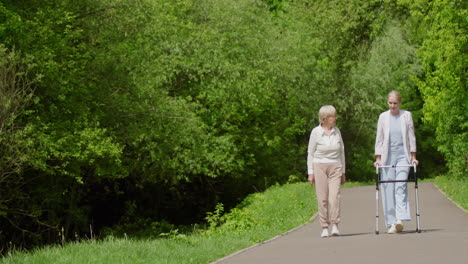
378, 181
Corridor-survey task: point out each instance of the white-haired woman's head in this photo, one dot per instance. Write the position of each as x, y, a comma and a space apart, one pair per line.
325, 112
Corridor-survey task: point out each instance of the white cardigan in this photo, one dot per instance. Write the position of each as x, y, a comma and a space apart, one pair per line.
383, 135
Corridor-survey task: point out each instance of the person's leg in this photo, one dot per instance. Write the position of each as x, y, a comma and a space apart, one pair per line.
321, 191
334, 182
388, 196
402, 208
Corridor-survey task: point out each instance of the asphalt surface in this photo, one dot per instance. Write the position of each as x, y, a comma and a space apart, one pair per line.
443, 237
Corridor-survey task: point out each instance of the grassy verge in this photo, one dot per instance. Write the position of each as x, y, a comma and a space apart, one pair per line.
259, 217
455, 189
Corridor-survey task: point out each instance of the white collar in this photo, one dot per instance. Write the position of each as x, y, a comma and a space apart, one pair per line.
322, 131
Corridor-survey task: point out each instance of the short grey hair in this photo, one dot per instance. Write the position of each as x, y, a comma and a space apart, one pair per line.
326, 111
395, 94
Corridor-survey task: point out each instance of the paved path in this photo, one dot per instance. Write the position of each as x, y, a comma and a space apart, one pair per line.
444, 236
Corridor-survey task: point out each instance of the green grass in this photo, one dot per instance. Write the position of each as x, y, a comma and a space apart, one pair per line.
260, 217
455, 189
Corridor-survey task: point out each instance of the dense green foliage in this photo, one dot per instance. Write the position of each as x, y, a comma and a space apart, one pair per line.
117, 115
444, 53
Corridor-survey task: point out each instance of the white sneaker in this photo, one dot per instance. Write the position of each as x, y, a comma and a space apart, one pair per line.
335, 231
399, 226
392, 229
324, 232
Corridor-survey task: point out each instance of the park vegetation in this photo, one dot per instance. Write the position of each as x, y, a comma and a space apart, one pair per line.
140, 117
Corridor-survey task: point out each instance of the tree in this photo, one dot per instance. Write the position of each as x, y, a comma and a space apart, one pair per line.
443, 85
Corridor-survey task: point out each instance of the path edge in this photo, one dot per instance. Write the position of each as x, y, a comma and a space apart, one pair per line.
450, 199
264, 242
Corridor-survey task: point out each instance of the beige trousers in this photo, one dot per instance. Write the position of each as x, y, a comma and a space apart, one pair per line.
327, 189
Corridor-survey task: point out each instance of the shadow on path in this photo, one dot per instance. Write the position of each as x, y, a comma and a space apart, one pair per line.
355, 234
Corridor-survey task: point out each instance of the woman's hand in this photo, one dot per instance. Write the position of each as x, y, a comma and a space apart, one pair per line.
413, 158
311, 179
377, 161
343, 179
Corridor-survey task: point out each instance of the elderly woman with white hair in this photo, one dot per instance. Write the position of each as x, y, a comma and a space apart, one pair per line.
326, 168
395, 144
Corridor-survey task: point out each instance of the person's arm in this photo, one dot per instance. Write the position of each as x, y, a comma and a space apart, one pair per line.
412, 139
342, 159
310, 156
379, 139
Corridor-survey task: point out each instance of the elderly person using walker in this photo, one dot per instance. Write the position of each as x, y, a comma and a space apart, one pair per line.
326, 168
395, 144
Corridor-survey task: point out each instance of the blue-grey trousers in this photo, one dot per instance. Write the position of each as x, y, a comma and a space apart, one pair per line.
395, 195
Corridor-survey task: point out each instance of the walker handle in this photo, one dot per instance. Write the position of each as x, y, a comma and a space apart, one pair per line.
395, 166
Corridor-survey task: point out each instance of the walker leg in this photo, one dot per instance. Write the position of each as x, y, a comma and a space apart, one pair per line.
377, 211
418, 227
377, 180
